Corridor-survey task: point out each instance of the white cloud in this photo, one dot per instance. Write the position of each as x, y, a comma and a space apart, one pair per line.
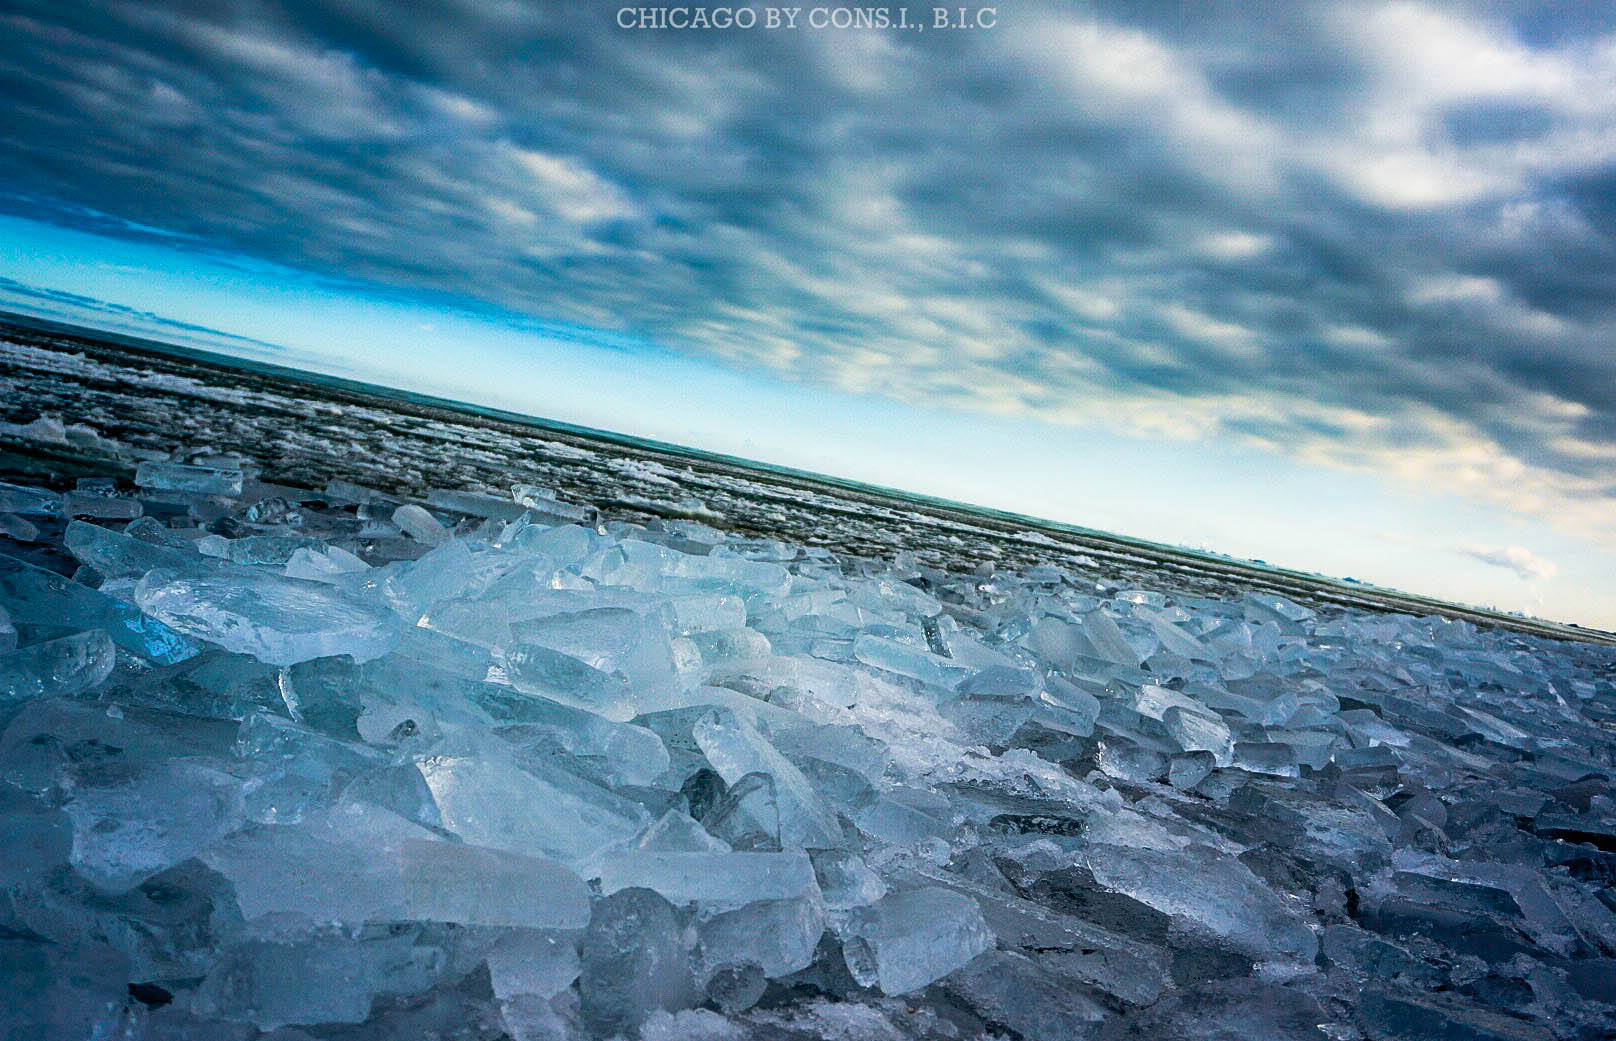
1519, 559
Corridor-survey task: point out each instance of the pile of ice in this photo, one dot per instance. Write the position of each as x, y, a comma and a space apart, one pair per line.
331, 765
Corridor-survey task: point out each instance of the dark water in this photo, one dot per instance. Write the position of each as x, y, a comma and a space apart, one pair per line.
306, 430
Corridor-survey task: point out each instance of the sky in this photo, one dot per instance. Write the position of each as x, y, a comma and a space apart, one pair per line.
1329, 284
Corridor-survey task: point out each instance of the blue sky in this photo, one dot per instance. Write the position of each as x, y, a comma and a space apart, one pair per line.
1333, 285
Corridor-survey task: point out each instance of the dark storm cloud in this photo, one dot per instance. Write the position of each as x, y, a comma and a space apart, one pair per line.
1372, 235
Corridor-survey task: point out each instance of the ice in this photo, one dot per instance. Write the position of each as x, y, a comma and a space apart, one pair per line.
276, 975
36, 501
778, 936
279, 620
178, 477
133, 820
326, 564
269, 761
37, 838
735, 749
64, 993
907, 940
1210, 892
45, 597
635, 960
747, 816
541, 810
416, 522
20, 529
362, 864
473, 504
552, 674
81, 504
63, 667
118, 555
1012, 991
614, 640
891, 656
717, 879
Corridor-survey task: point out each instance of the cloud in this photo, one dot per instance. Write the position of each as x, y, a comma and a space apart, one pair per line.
1375, 236
1522, 561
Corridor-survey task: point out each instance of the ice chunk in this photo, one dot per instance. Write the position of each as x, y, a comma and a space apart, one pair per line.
990, 706
46, 597
363, 864
278, 620
711, 649
1011, 990
62, 992
735, 749
419, 524
779, 936
1254, 1009
37, 837
676, 832
892, 656
473, 504
845, 880
19, 528
543, 810
8, 633
543, 503
704, 613
748, 815
80, 504
279, 974
1078, 708
909, 939
716, 879
1196, 731
615, 640
36, 501
634, 960
1265, 757
1207, 890
1408, 1017
178, 477
561, 677
116, 555
268, 550
1190, 769
63, 667
541, 963
132, 820
326, 564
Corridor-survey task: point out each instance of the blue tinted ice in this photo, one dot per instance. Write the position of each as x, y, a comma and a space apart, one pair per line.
351, 765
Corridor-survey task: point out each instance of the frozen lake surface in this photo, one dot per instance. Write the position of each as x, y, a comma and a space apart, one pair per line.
324, 716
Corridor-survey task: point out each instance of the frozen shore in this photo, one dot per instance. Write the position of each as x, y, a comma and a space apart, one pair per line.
339, 763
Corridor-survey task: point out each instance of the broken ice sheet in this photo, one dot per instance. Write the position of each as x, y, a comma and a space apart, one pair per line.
179, 477
906, 940
362, 863
133, 820
779, 936
56, 668
36, 501
715, 879
538, 809
278, 620
43, 596
776, 740
735, 748
1209, 891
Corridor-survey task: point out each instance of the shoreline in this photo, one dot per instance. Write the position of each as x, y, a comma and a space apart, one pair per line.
260, 409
